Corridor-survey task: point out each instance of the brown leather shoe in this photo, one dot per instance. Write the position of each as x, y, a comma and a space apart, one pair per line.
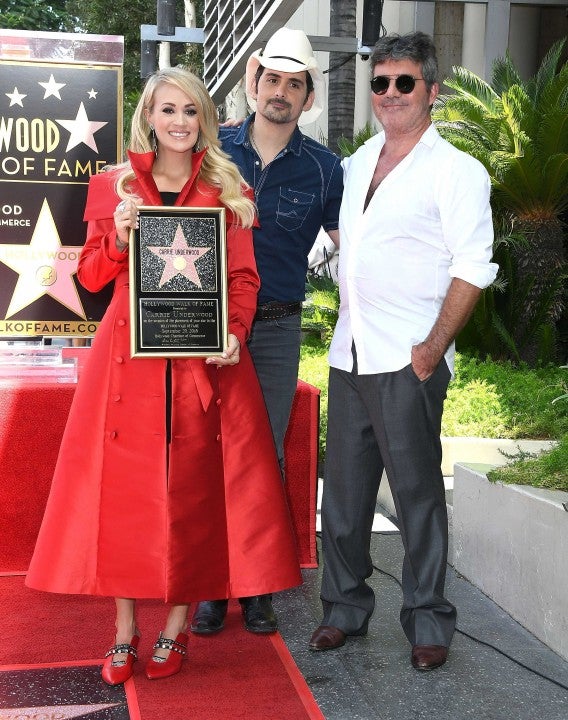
428, 657
327, 637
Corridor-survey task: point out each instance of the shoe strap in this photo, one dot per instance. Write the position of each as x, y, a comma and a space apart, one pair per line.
169, 644
123, 648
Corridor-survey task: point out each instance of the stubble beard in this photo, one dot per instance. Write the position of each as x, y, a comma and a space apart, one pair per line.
278, 116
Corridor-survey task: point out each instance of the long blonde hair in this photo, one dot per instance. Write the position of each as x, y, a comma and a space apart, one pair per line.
217, 168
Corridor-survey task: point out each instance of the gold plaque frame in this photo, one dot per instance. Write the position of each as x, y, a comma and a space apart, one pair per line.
178, 283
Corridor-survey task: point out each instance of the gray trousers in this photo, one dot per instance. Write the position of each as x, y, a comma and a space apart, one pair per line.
386, 421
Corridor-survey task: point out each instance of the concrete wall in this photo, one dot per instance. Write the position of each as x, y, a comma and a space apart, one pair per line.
448, 31
511, 541
487, 451
460, 30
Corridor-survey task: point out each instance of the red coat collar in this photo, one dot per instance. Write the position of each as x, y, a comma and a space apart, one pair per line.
102, 197
142, 164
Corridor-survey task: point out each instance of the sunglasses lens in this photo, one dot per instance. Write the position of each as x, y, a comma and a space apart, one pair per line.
405, 84
379, 84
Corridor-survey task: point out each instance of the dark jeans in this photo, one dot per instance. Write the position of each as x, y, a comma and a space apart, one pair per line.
275, 349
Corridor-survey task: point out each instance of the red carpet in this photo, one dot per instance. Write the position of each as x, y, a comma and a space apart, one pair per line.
234, 675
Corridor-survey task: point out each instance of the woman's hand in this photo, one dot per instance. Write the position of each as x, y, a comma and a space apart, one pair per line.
125, 219
230, 356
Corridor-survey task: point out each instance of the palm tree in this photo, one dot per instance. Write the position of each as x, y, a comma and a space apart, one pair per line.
519, 131
341, 101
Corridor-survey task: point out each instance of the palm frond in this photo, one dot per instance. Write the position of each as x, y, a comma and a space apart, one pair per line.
519, 131
505, 336
548, 68
552, 134
555, 93
347, 147
470, 85
504, 74
522, 113
466, 142
555, 183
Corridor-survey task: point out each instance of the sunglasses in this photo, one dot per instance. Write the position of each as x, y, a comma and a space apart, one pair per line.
404, 83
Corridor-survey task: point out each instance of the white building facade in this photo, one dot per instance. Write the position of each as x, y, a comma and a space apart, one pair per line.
469, 34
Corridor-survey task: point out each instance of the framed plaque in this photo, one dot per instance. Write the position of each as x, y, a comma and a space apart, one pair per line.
178, 282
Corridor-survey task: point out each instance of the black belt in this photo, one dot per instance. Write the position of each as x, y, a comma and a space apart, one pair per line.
274, 310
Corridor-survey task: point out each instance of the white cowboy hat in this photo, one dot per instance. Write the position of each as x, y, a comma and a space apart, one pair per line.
288, 51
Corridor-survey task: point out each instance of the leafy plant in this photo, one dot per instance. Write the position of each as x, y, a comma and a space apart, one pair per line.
564, 387
547, 470
519, 131
319, 314
500, 399
485, 399
489, 329
314, 369
37, 15
474, 409
347, 147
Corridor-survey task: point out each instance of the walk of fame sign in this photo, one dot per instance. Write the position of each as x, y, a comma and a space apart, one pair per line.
178, 282
60, 123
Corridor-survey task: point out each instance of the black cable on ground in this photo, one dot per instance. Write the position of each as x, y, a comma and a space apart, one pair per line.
467, 635
482, 642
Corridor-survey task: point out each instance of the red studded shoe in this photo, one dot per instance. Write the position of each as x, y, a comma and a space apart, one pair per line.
115, 672
159, 667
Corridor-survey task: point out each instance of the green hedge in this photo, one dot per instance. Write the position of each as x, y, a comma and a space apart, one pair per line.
485, 399
548, 470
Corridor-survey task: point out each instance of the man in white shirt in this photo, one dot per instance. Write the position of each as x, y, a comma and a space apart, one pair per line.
416, 242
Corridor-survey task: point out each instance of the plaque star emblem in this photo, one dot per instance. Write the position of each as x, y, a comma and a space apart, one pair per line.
16, 97
54, 711
179, 258
82, 130
93, 94
52, 88
45, 267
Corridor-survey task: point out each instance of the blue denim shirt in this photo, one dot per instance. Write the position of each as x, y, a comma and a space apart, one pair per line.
296, 194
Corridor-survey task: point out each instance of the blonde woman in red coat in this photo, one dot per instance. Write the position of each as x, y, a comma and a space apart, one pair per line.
166, 489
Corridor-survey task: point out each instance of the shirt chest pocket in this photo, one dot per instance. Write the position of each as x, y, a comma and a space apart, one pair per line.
293, 208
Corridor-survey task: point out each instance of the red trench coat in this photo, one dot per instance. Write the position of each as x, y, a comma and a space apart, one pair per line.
216, 524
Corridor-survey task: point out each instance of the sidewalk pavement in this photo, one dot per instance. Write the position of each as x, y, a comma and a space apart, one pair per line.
371, 678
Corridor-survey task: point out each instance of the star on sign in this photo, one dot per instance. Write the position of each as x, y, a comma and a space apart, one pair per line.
54, 711
93, 94
82, 130
52, 88
45, 267
16, 97
179, 259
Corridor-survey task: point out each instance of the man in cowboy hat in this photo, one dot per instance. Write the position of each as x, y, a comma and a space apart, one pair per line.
298, 185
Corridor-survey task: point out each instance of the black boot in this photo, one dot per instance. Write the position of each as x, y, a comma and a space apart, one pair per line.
258, 614
209, 617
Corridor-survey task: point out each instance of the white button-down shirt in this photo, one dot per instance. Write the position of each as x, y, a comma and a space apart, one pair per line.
428, 221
